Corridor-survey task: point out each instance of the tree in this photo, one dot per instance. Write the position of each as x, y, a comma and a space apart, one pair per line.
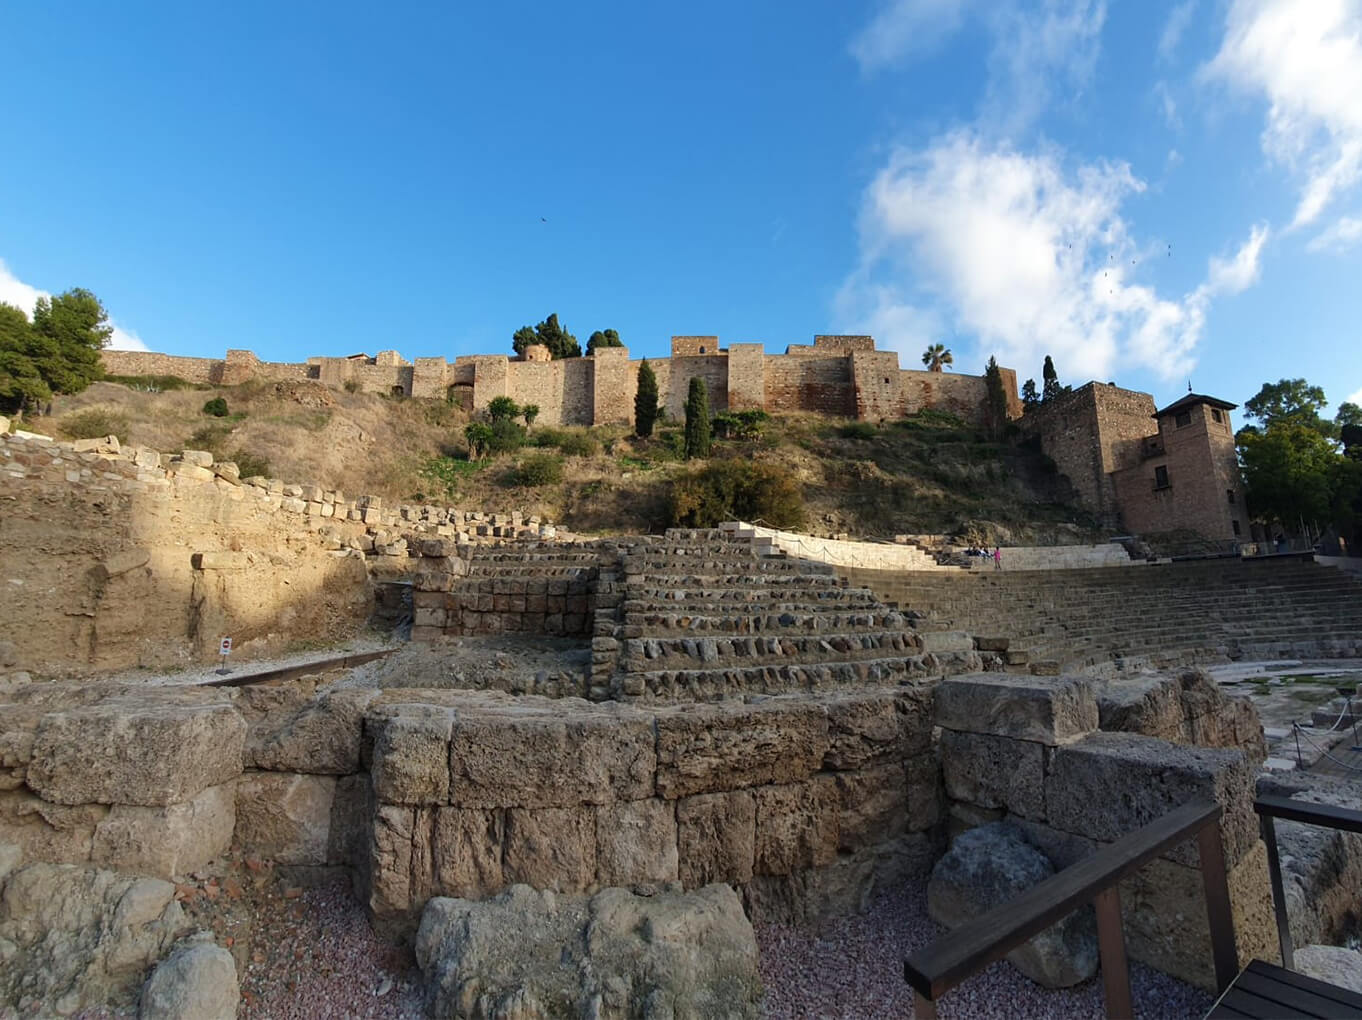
1050, 388
645, 401
936, 357
1292, 473
599, 339
76, 328
997, 398
529, 412
1030, 398
502, 409
22, 386
1348, 414
560, 342
697, 420
1292, 401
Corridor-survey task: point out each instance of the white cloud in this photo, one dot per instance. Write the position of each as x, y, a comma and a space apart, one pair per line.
906, 28
1028, 257
1356, 398
1168, 104
23, 296
1338, 237
1175, 28
1305, 58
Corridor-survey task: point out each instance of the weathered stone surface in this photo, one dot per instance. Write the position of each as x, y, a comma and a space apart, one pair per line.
1163, 907
81, 937
49, 832
636, 843
547, 755
195, 982
877, 726
796, 826
135, 750
924, 791
352, 809
551, 848
725, 746
872, 806
411, 755
468, 850
992, 865
285, 817
1110, 784
119, 563
387, 875
321, 738
995, 772
1338, 966
716, 835
671, 954
1043, 709
166, 841
1140, 704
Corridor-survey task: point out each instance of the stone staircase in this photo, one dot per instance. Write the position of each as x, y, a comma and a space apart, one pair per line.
1052, 621
704, 615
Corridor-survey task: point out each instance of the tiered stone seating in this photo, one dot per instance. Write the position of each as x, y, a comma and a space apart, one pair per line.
1164, 614
705, 615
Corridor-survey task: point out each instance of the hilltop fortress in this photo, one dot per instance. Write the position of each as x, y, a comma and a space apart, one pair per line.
836, 375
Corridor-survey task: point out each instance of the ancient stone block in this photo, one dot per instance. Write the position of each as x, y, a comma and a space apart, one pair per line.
636, 842
551, 848
1140, 704
166, 841
716, 837
119, 563
285, 817
923, 773
995, 772
321, 737
135, 750
725, 746
468, 850
48, 832
1048, 711
411, 755
796, 826
551, 755
388, 870
877, 726
1110, 784
872, 806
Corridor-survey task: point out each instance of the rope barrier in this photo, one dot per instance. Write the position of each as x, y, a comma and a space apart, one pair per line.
1300, 731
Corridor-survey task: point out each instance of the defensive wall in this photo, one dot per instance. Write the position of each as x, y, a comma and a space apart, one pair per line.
836, 375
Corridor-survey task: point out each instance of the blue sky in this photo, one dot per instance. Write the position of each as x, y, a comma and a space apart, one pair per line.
1151, 192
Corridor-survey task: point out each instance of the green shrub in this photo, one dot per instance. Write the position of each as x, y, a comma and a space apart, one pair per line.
445, 473
507, 436
540, 469
351, 386
861, 430
217, 407
249, 465
94, 423
503, 408
210, 438
571, 443
741, 425
728, 490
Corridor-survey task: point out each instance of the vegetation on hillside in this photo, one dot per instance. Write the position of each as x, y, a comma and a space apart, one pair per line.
55, 352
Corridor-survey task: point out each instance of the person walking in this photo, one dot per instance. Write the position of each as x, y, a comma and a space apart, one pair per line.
997, 558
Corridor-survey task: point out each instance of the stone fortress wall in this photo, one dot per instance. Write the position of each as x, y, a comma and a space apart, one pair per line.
836, 375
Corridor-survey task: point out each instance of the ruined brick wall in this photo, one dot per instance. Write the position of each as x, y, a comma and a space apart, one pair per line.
614, 383
810, 382
694, 346
431, 378
843, 343
562, 389
196, 370
879, 395
673, 382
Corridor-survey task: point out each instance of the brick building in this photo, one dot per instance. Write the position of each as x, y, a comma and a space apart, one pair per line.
1146, 470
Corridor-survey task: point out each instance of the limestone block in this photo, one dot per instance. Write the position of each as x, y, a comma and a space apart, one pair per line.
796, 826
877, 726
551, 848
101, 444
1141, 704
135, 750
321, 737
924, 791
636, 842
352, 811
995, 772
411, 755
872, 806
1163, 906
220, 559
1110, 784
468, 851
388, 866
285, 817
196, 982
716, 837
187, 470
199, 458
48, 832
119, 563
534, 755
1046, 710
938, 642
167, 841
1333, 964
725, 746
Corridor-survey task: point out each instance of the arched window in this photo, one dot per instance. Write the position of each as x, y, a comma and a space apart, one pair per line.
702, 348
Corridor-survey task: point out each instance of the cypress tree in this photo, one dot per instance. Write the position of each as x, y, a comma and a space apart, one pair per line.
645, 401
1050, 389
697, 420
997, 398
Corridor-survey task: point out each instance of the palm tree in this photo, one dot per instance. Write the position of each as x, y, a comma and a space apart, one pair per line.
936, 358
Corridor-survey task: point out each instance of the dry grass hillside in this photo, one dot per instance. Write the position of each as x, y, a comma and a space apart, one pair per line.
929, 474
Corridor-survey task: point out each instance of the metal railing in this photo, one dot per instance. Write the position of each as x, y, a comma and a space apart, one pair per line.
973, 946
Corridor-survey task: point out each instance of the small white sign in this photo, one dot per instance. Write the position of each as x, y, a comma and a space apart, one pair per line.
226, 646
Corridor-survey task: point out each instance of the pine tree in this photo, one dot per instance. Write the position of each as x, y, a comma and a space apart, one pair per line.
697, 420
1030, 398
1051, 388
645, 401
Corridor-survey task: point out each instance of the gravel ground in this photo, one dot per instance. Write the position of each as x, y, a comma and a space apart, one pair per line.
206, 673
492, 662
853, 969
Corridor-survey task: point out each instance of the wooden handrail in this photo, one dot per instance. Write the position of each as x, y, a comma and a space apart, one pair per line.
1328, 816
966, 950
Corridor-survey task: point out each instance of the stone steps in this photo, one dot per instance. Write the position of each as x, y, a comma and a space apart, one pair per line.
795, 619
653, 651
734, 682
